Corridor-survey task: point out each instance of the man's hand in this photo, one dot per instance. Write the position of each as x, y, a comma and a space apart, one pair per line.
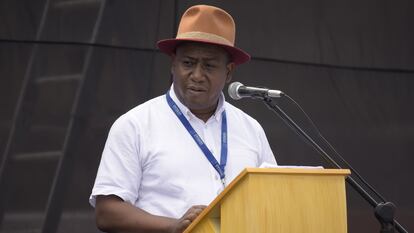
188, 218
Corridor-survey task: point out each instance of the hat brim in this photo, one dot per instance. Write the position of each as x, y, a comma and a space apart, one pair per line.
238, 56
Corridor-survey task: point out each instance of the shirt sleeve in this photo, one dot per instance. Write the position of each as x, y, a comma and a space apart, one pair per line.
266, 152
120, 170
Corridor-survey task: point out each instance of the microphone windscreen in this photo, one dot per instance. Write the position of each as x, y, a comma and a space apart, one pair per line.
233, 90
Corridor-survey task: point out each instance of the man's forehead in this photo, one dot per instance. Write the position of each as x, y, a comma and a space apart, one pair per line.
208, 51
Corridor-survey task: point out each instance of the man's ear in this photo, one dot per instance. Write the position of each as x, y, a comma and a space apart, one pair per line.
230, 70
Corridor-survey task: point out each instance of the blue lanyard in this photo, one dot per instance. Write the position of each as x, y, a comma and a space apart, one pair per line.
223, 160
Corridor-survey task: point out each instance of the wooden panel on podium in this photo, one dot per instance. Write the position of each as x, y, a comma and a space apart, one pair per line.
282, 200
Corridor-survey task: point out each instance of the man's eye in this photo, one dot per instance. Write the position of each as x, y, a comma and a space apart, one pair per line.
208, 65
188, 63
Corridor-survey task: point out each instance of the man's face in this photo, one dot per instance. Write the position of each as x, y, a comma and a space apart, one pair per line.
200, 72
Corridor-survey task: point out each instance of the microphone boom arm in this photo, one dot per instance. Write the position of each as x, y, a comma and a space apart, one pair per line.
384, 212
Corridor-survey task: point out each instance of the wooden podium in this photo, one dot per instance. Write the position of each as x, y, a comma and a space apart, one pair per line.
285, 200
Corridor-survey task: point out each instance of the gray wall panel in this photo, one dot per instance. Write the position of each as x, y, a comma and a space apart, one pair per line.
19, 19
137, 23
357, 33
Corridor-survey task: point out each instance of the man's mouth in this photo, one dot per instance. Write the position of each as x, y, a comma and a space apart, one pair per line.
196, 89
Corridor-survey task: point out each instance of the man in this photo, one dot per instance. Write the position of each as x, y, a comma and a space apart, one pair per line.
168, 158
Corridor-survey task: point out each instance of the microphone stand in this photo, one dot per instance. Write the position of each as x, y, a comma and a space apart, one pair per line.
384, 211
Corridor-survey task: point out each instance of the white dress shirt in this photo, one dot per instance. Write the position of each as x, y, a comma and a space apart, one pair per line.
151, 161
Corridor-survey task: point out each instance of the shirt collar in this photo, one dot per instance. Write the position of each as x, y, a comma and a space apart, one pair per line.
189, 115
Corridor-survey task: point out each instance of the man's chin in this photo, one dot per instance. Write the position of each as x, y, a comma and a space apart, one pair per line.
196, 106
195, 101
200, 107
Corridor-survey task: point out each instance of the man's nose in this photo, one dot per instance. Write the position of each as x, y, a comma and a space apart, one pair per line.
198, 73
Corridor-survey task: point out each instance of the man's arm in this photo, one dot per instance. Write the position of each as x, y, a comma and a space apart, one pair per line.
115, 215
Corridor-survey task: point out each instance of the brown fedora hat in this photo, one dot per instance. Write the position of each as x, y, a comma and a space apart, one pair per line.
206, 24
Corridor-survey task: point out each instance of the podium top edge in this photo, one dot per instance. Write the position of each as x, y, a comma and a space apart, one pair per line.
314, 171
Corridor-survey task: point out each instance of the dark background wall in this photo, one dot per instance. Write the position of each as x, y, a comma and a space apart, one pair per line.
350, 64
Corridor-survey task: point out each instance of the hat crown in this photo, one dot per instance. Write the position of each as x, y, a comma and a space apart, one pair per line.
209, 25
209, 22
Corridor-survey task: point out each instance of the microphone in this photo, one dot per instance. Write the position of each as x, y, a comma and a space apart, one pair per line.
238, 90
